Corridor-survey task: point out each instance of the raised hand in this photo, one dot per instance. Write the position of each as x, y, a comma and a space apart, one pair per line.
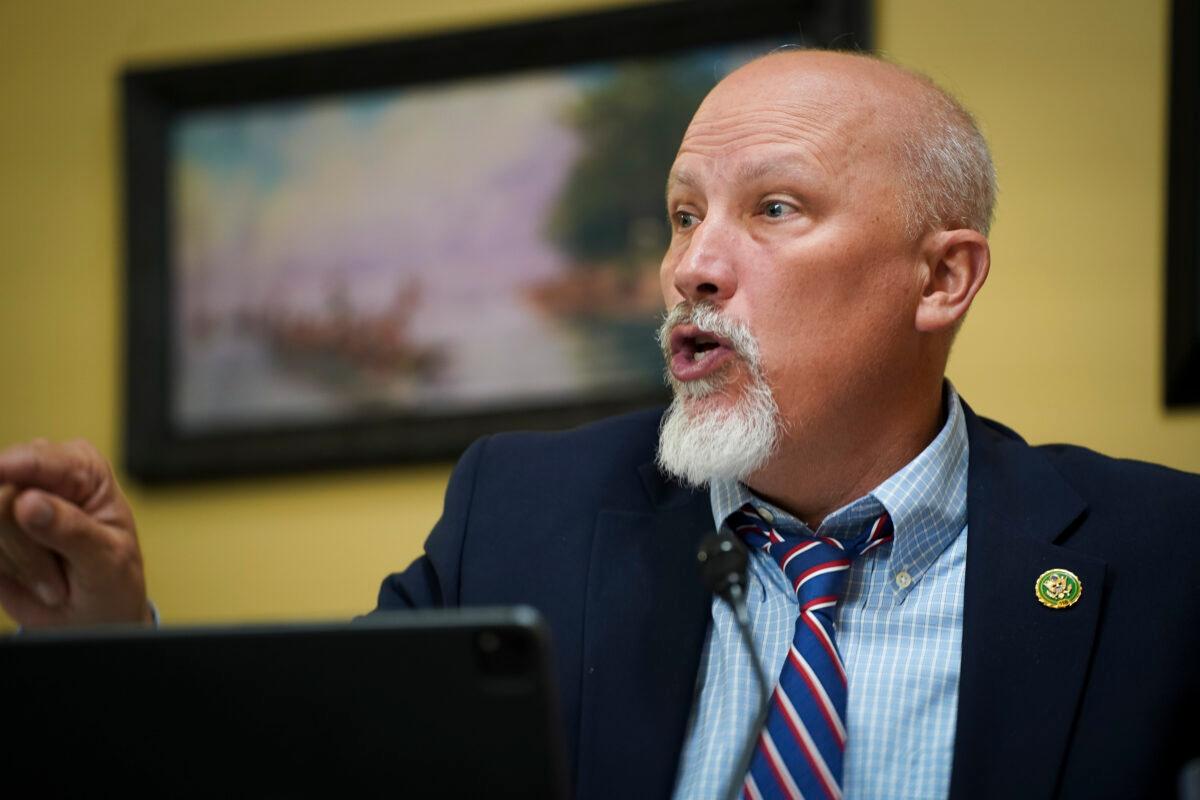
69, 553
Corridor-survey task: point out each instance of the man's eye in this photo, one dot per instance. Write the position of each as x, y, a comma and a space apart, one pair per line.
685, 220
777, 208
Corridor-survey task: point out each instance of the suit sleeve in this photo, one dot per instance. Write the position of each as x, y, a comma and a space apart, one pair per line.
432, 581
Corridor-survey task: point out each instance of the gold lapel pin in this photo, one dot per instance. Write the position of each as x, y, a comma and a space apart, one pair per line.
1058, 588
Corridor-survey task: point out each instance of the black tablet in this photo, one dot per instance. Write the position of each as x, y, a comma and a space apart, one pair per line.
412, 704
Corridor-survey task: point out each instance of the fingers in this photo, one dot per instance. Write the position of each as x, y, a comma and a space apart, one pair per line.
26, 562
73, 470
60, 526
101, 566
24, 607
69, 514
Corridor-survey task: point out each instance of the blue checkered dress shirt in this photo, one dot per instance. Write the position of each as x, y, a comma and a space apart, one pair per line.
899, 629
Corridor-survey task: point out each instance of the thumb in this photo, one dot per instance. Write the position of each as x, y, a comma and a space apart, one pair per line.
61, 526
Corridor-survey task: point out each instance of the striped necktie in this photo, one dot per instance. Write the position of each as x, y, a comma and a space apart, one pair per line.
800, 749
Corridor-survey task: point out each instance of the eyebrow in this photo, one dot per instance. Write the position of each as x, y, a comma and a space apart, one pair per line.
745, 172
681, 177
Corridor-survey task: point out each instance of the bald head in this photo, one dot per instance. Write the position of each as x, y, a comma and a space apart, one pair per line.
944, 178
835, 206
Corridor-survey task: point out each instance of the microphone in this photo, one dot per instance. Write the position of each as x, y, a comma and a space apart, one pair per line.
724, 563
723, 567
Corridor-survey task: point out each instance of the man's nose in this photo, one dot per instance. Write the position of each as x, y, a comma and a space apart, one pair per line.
706, 269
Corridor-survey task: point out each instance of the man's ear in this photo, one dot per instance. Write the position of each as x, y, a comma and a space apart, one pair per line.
954, 266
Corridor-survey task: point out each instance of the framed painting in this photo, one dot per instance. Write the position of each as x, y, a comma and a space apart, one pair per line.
1182, 367
377, 253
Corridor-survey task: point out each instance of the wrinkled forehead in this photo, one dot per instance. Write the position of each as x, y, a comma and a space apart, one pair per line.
827, 113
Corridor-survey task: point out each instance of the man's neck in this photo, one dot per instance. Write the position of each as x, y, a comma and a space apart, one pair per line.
813, 478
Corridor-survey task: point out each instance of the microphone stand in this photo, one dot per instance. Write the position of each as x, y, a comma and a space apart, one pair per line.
724, 563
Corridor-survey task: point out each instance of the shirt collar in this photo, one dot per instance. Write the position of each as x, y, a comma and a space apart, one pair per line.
926, 499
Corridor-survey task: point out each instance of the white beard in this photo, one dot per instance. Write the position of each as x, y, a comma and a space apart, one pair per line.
704, 435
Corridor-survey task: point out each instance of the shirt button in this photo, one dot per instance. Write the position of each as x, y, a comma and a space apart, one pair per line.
766, 514
903, 579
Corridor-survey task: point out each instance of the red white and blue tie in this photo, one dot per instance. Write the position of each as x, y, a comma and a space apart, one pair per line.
800, 749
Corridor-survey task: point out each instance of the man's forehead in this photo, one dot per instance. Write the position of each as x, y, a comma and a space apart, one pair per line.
751, 165
837, 86
820, 108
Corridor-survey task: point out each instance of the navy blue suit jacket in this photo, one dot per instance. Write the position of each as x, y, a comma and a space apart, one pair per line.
1097, 700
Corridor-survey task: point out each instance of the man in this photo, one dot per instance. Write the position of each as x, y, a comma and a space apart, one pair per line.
1010, 621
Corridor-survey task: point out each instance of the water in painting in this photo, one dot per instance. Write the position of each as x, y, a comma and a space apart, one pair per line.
484, 244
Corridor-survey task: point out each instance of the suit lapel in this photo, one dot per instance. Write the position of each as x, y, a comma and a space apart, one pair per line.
646, 617
1023, 665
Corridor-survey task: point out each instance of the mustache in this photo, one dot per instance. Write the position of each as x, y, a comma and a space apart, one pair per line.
708, 318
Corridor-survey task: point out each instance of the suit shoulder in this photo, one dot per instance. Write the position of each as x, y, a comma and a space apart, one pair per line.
1122, 477
585, 463
520, 475
1098, 477
630, 437
1132, 510
1142, 512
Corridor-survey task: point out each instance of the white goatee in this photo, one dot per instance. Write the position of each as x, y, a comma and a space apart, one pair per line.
707, 432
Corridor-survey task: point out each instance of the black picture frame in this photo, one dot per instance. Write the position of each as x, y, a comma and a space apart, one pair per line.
1182, 301
155, 449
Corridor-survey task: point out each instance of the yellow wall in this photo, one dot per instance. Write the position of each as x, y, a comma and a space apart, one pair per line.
1064, 344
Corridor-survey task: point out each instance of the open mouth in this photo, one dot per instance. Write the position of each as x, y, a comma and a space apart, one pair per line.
702, 345
696, 354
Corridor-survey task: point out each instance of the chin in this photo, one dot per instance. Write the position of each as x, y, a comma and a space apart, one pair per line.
727, 432
707, 402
